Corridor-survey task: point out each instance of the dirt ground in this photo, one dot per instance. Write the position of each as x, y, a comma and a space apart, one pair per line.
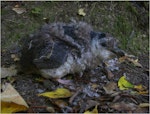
125, 20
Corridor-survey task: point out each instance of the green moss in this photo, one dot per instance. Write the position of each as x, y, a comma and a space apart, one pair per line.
131, 9
4, 12
116, 18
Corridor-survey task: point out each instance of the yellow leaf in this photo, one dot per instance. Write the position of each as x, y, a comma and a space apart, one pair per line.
11, 101
81, 12
10, 107
143, 92
139, 87
58, 93
124, 84
94, 111
11, 95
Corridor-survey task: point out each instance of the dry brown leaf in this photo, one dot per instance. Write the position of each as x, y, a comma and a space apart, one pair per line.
110, 87
91, 103
94, 86
110, 75
122, 59
10, 98
144, 105
129, 56
140, 110
17, 6
94, 111
50, 109
19, 10
60, 103
130, 59
11, 95
15, 57
135, 62
10, 71
122, 106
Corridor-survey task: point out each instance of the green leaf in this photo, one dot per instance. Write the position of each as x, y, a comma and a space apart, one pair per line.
124, 84
36, 11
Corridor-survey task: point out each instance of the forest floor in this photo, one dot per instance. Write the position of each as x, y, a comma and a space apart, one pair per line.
127, 21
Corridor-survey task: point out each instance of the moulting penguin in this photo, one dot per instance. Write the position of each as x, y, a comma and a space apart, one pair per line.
58, 49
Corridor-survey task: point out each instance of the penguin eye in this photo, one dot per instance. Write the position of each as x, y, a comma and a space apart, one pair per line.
104, 44
102, 35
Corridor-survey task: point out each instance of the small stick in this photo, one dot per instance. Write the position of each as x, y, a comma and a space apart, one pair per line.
73, 97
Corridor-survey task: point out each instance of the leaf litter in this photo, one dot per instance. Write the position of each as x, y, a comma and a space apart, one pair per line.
102, 87
124, 84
